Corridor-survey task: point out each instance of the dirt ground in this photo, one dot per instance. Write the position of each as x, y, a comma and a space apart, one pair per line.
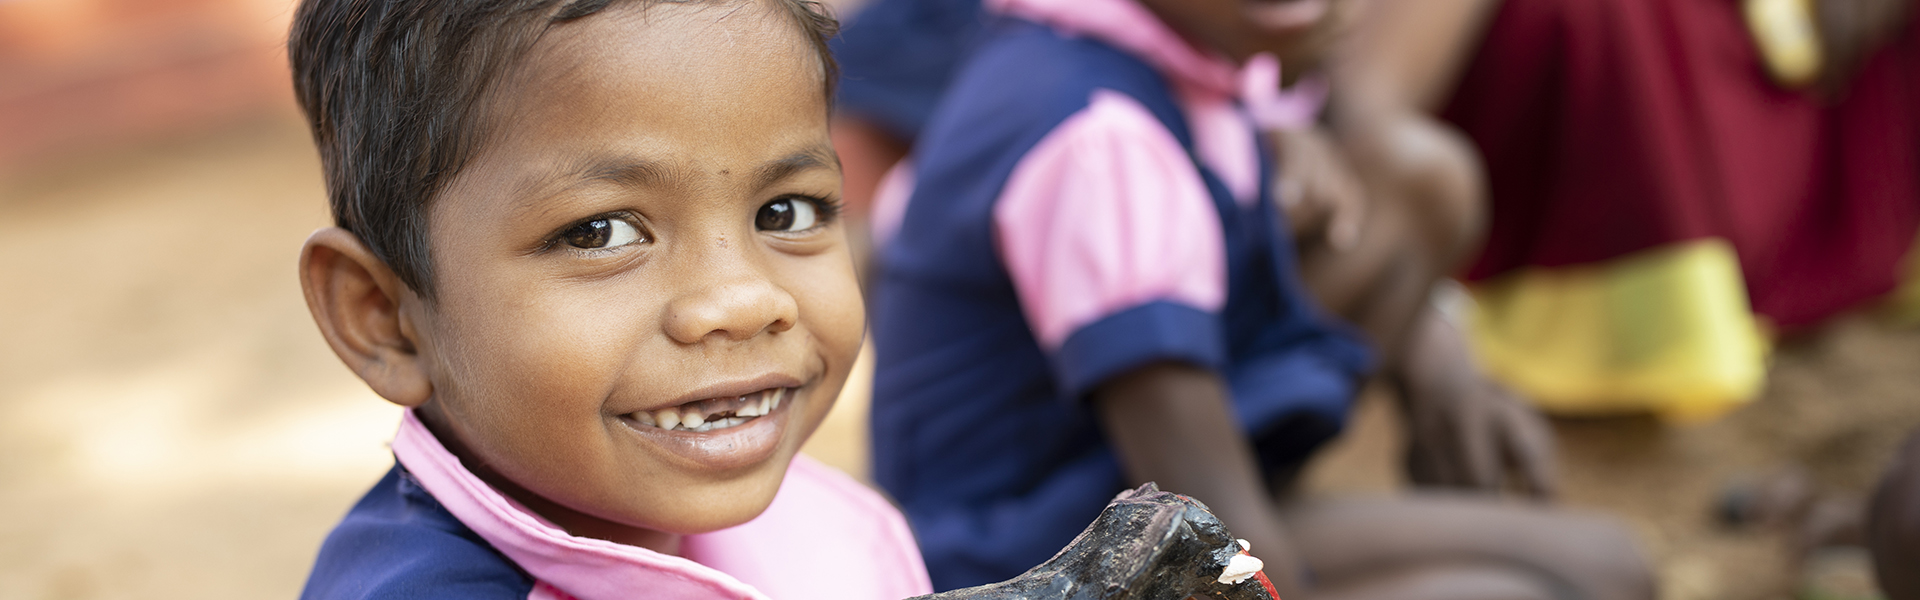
1838, 404
172, 426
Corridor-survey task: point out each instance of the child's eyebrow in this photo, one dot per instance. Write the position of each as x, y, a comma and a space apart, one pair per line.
622, 171
815, 157
638, 172
626, 172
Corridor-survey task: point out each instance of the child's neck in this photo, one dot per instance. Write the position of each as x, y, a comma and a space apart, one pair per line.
585, 526
574, 522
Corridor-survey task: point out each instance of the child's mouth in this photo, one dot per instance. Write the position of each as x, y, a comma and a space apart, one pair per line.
712, 414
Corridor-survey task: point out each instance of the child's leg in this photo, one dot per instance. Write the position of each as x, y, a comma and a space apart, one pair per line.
1438, 542
1464, 581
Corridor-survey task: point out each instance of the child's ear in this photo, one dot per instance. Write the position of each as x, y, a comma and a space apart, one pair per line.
361, 307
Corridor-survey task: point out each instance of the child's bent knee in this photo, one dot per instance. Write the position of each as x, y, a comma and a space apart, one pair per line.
1608, 561
1444, 186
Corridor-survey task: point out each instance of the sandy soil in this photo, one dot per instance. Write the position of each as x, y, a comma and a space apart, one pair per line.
171, 425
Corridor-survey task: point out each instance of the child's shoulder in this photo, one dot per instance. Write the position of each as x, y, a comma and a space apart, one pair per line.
398, 542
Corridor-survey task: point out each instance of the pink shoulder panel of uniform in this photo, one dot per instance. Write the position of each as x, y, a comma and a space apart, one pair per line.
825, 536
1106, 213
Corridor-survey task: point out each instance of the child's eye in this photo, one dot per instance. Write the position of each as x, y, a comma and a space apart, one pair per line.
788, 214
601, 232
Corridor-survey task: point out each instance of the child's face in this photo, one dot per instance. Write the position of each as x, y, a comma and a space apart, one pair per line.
650, 233
1298, 32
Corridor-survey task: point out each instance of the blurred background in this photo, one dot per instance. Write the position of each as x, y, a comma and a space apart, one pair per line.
172, 425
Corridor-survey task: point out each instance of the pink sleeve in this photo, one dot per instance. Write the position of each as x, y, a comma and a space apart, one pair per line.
1108, 213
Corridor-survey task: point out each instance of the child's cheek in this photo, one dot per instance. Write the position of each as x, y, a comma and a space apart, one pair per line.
835, 317
841, 311
553, 353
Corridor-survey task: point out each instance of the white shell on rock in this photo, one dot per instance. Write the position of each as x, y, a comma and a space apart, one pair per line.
1240, 568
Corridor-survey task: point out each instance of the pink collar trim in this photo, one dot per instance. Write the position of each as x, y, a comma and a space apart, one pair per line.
1131, 27
824, 536
579, 566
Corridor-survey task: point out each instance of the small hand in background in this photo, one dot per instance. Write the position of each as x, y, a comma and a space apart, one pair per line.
1465, 430
1322, 198
1850, 32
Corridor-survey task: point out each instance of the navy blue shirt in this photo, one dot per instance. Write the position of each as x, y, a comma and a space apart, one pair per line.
398, 542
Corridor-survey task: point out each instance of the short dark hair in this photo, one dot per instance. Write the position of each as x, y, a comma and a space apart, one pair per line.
393, 91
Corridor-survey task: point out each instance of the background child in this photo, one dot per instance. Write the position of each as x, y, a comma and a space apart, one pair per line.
593, 245
1382, 210
1092, 284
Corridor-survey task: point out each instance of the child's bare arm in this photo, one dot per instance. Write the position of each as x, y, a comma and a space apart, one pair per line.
1425, 195
1324, 202
1170, 424
1409, 53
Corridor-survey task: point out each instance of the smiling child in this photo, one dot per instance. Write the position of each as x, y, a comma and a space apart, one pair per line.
592, 246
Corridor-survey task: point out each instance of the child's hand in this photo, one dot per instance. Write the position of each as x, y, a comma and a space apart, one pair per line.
1850, 32
1323, 200
1487, 441
1464, 430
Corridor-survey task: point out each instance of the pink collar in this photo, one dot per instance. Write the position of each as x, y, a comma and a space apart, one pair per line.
824, 536
1131, 27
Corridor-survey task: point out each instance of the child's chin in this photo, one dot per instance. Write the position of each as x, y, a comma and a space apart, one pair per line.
714, 508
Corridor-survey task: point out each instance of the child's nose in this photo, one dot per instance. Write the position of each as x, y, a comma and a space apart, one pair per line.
733, 304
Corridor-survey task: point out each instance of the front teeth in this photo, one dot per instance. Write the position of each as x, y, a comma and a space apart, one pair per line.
706, 415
